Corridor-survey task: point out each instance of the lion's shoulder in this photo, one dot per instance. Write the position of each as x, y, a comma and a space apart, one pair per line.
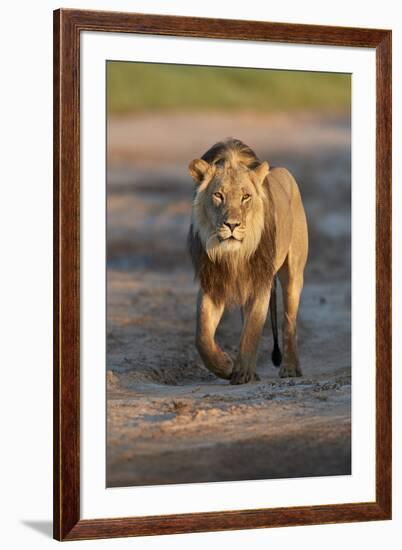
281, 179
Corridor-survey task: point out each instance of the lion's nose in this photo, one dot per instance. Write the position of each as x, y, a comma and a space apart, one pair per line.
232, 226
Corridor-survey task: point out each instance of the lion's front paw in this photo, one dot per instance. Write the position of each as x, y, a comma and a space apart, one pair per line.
287, 371
221, 365
227, 365
243, 375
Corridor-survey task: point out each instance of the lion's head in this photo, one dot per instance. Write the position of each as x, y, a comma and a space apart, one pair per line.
228, 207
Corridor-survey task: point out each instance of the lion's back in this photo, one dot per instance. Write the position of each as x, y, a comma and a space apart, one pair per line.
290, 217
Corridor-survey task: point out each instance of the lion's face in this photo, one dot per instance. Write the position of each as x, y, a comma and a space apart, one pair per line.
228, 207
229, 204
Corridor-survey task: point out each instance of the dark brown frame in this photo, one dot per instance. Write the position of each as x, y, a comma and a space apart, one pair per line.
68, 25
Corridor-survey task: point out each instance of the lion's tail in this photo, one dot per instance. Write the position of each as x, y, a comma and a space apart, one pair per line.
276, 353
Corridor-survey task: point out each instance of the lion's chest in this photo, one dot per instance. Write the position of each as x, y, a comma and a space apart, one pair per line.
233, 283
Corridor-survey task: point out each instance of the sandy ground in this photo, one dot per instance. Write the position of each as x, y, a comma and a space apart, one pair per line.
168, 419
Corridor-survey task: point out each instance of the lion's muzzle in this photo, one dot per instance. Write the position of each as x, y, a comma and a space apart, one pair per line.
231, 231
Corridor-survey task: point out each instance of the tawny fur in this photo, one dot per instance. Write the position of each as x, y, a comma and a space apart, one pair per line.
248, 224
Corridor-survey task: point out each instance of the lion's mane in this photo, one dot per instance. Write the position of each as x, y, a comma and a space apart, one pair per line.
233, 278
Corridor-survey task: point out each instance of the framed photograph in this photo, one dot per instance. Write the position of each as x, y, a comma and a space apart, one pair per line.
222, 274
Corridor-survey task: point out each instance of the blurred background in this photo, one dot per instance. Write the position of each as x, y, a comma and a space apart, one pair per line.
138, 87
169, 419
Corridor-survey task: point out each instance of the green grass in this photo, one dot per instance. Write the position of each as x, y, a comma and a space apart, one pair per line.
149, 87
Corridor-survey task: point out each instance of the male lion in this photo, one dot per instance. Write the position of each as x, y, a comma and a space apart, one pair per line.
248, 225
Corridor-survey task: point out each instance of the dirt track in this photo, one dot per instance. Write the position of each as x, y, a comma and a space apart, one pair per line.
169, 420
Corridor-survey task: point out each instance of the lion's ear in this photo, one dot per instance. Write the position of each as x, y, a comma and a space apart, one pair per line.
199, 169
261, 171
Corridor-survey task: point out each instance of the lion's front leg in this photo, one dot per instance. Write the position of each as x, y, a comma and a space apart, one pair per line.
208, 316
254, 315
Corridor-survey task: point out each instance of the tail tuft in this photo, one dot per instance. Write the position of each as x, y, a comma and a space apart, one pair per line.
276, 355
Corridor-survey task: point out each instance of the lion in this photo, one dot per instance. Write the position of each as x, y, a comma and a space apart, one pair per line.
248, 228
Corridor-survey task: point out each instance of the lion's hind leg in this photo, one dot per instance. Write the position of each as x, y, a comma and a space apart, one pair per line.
291, 276
292, 285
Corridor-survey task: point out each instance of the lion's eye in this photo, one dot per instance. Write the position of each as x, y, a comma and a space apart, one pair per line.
218, 196
245, 197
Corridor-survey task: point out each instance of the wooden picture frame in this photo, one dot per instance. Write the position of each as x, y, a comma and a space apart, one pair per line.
68, 24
